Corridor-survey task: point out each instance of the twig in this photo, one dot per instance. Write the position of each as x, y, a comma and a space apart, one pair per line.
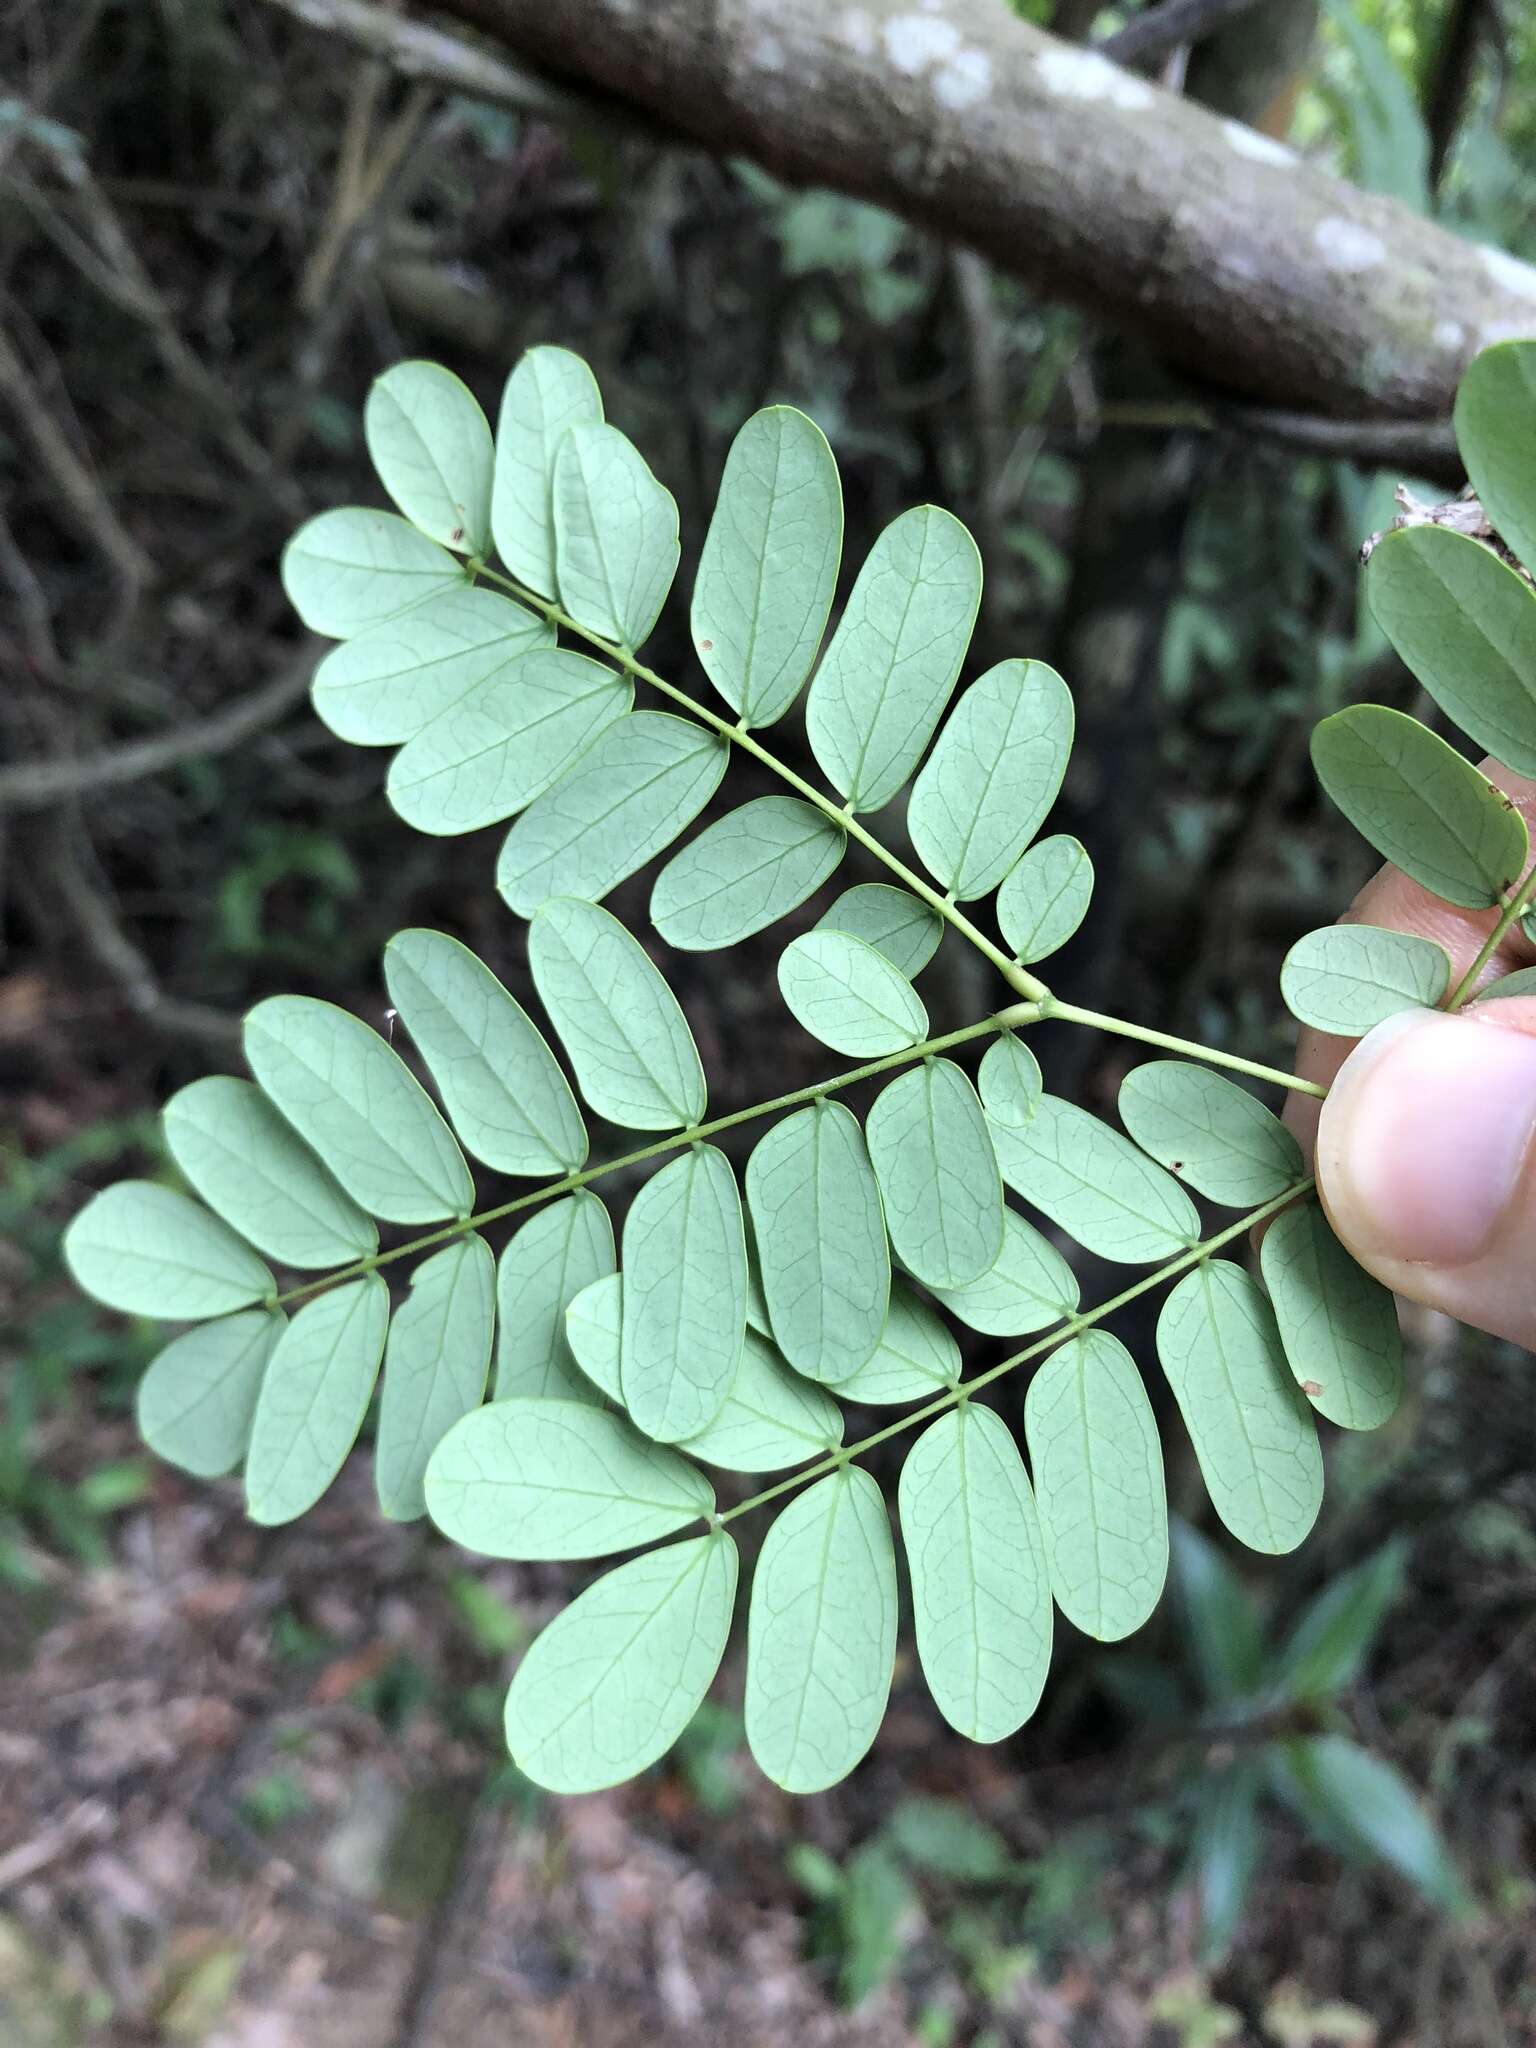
1426, 444
89, 1819
1152, 36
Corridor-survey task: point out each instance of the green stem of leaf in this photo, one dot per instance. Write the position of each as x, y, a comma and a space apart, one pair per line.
1512, 910
1070, 1013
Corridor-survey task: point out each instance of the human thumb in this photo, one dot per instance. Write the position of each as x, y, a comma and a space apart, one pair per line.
1424, 1157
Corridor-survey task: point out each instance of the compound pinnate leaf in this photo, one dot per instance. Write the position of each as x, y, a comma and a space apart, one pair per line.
548, 391
899, 925
1338, 1325
745, 872
1465, 623
915, 1359
508, 742
629, 1041
932, 1154
981, 1596
558, 1479
1421, 804
506, 1094
435, 1364
888, 672
1251, 1429
769, 564
850, 996
151, 1252
821, 1633
1348, 977
431, 445
313, 1398
643, 780
347, 570
196, 1400
357, 1104
993, 774
820, 1236
1044, 897
551, 1259
1210, 1132
1496, 433
611, 1683
616, 545
1095, 1185
1009, 1080
594, 1326
1098, 1468
390, 682
1349, 1796
248, 1166
685, 1295
1030, 1287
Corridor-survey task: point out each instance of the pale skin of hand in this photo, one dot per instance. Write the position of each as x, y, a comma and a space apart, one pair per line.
1425, 1150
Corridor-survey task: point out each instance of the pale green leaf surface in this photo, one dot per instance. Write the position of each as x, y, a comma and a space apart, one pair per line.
895, 922
196, 1400
1338, 1325
745, 872
643, 780
549, 1260
1009, 1080
611, 1683
685, 1295
1030, 1287
1044, 897
1098, 1471
390, 682
994, 772
435, 1363
1209, 1132
849, 995
594, 1325
431, 446
506, 1094
248, 1166
1496, 433
1252, 1431
1094, 1184
933, 1157
616, 545
981, 1595
356, 1103
892, 663
635, 1059
916, 1357
152, 1252
539, 1480
821, 1633
548, 391
769, 564
346, 570
1520, 983
315, 1393
1346, 978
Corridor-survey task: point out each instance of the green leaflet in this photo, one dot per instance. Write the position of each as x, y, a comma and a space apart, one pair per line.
1210, 1132
197, 1398
1327, 1649
1218, 1616
594, 1323
1252, 1432
248, 1166
506, 743
361, 1109
390, 682
429, 442
151, 1252
933, 1157
616, 544
643, 781
849, 996
557, 1479
611, 1683
891, 664
1337, 1324
314, 1396
1044, 897
993, 774
503, 1087
745, 872
1341, 1790
1095, 1185
1521, 983
1030, 1287
899, 925
1465, 624
1009, 1080
1098, 1467
820, 1236
628, 1040
915, 1359
685, 1295
981, 1596
346, 570
1348, 977
821, 1633
1420, 804
1224, 1852
558, 1253
1496, 433
549, 390
769, 564
435, 1364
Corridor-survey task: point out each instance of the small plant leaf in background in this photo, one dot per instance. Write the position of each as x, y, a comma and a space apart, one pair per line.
1218, 1616
899, 925
1030, 1286
1224, 1853
1210, 1132
431, 446
685, 1295
1344, 1792
932, 1155
1328, 1646
318, 1383
916, 1358
151, 1252
744, 873
1095, 1184
1347, 978
616, 545
436, 1359
1044, 897
560, 1251
387, 684
849, 995
1338, 1325
195, 1402
549, 390
347, 570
